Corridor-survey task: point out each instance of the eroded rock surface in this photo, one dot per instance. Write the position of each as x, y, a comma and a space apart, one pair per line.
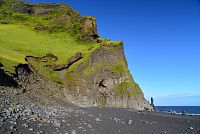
97, 83
89, 28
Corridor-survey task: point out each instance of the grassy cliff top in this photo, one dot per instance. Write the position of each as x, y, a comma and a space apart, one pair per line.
38, 29
18, 41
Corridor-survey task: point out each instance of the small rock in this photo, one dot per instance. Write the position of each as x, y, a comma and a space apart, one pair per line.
130, 122
97, 119
191, 128
31, 129
89, 125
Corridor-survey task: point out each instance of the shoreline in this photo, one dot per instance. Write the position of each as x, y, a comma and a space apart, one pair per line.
179, 110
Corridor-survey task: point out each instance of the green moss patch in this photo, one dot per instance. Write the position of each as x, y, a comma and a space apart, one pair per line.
108, 44
130, 88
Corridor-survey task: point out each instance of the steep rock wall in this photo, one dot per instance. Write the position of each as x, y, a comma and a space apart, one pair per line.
104, 80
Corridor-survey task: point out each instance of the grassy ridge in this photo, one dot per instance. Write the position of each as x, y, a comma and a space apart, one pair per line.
18, 41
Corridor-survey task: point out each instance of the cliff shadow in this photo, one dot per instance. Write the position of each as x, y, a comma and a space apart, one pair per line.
6, 80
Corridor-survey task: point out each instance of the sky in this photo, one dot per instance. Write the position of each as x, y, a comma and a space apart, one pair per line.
161, 41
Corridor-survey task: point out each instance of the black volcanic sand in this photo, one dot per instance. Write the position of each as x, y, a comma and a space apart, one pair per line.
101, 121
20, 114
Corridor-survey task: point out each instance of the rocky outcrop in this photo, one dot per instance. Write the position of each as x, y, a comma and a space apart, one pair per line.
105, 81
26, 8
60, 67
27, 79
88, 28
24, 75
75, 58
71, 61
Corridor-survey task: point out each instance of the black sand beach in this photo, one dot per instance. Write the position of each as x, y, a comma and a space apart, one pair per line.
23, 114
20, 114
52, 120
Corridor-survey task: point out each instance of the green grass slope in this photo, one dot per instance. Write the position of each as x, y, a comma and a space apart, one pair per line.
19, 41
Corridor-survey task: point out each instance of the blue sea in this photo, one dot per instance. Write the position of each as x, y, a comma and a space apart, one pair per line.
187, 110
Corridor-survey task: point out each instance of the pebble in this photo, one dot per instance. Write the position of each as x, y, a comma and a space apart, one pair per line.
117, 120
97, 119
191, 128
31, 129
130, 122
89, 125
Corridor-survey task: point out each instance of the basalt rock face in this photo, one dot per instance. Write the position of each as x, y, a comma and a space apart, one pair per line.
102, 80
27, 79
105, 81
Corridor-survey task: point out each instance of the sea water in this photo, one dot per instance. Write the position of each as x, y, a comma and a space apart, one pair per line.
186, 110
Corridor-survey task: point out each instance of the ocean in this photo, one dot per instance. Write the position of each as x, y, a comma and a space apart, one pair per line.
187, 110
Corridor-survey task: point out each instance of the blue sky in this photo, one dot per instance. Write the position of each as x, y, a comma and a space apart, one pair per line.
161, 40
